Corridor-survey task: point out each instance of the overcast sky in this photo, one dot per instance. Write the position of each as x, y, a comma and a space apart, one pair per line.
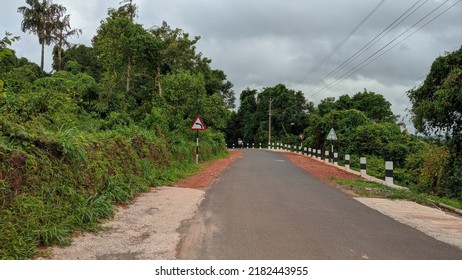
260, 43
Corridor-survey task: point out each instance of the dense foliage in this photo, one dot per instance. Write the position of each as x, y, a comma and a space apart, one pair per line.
289, 115
437, 110
111, 124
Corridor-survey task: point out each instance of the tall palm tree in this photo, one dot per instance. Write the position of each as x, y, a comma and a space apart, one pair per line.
38, 19
61, 32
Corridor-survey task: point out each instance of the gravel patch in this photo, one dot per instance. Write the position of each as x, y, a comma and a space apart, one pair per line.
431, 221
146, 230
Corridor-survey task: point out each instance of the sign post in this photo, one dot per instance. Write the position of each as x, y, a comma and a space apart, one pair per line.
332, 136
198, 124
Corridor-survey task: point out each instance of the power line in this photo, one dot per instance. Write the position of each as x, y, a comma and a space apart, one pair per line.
430, 21
366, 62
372, 42
340, 44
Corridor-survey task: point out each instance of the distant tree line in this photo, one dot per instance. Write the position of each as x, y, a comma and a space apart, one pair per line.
366, 126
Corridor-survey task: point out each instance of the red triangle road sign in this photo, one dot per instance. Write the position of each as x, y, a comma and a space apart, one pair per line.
198, 124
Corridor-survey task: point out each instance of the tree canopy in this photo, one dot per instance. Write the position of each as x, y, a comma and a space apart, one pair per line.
437, 109
49, 22
437, 103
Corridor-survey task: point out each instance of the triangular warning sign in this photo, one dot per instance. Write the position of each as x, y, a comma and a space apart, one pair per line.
198, 124
332, 135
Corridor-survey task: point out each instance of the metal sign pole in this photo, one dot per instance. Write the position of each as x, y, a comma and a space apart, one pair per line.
197, 146
332, 150
197, 125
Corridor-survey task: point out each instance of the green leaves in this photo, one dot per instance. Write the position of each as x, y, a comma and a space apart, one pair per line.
288, 113
437, 109
437, 104
74, 142
4, 52
40, 18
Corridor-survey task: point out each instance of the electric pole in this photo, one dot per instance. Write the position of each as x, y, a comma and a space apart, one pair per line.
269, 122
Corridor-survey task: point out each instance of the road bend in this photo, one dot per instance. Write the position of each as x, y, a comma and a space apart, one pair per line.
265, 207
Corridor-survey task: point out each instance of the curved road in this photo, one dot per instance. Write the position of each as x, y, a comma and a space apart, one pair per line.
264, 207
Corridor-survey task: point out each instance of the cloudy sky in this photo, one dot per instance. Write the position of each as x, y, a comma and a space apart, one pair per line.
260, 43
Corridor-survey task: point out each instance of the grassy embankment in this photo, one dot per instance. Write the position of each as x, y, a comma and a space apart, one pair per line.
376, 168
56, 183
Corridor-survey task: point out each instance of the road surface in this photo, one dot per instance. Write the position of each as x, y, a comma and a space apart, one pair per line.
264, 207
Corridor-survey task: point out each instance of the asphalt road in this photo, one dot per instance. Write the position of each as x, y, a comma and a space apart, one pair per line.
265, 207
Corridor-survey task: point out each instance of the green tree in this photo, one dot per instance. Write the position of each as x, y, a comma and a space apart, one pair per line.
177, 51
85, 57
21, 77
186, 97
246, 117
374, 105
39, 19
216, 82
327, 105
127, 10
437, 109
437, 103
233, 130
4, 52
345, 102
61, 33
116, 45
289, 115
126, 51
289, 112
5, 43
345, 124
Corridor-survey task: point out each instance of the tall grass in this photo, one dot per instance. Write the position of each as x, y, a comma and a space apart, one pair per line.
70, 180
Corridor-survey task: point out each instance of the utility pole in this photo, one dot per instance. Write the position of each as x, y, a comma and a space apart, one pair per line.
269, 122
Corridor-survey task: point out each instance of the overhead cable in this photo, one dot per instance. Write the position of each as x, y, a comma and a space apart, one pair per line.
340, 44
411, 10
376, 55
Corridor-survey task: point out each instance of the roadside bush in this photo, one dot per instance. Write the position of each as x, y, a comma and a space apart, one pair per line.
452, 182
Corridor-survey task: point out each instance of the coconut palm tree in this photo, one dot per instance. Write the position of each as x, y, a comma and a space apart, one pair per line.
61, 32
38, 19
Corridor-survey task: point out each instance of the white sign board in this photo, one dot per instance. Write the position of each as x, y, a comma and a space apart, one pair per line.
332, 135
198, 124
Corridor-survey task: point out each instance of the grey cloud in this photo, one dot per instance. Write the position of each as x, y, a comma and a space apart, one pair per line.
260, 43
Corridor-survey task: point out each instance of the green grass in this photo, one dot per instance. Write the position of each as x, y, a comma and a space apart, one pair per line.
177, 171
371, 189
71, 181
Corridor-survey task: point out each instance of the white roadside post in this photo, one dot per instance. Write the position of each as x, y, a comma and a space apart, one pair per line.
347, 162
389, 173
362, 162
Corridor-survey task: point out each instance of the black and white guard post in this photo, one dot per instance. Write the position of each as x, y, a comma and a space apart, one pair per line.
198, 124
389, 173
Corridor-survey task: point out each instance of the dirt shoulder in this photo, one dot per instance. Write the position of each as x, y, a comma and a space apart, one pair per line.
144, 231
210, 172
